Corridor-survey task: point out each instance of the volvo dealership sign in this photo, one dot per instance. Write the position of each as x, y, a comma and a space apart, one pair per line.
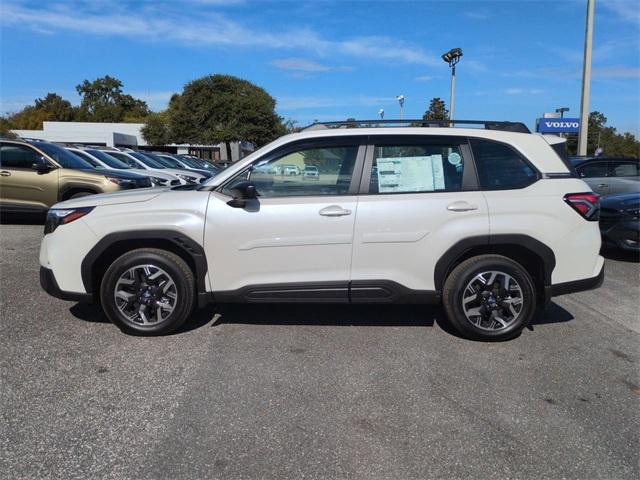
558, 125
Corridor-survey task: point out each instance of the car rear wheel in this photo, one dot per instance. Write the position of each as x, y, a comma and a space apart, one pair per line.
489, 297
148, 292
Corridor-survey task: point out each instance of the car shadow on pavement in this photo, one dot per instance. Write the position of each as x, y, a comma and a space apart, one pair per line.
620, 255
93, 313
21, 219
338, 315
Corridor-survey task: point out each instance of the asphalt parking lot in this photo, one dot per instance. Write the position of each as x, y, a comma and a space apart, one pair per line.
316, 391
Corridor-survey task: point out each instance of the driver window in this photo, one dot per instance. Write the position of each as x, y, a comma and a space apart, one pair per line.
306, 172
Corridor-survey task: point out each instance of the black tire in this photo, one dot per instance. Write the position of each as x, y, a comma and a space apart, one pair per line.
457, 282
81, 194
175, 269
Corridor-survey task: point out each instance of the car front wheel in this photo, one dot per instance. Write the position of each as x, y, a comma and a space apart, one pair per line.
489, 297
148, 292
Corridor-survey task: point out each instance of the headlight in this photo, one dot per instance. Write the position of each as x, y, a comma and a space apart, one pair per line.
158, 182
62, 216
123, 182
187, 178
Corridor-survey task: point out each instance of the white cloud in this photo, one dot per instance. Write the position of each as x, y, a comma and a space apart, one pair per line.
304, 65
286, 102
425, 78
477, 15
157, 100
616, 71
628, 10
523, 91
208, 28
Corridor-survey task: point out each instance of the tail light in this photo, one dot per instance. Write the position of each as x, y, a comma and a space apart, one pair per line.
586, 204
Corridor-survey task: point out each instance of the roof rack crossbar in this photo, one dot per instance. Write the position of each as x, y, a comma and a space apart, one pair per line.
487, 124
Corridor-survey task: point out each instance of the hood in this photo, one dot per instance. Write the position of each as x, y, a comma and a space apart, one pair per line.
115, 173
191, 173
151, 173
125, 196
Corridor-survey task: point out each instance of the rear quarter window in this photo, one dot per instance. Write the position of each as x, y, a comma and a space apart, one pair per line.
500, 167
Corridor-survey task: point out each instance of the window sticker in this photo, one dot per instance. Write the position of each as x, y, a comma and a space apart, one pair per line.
454, 158
410, 174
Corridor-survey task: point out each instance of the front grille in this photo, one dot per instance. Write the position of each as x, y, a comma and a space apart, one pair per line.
175, 182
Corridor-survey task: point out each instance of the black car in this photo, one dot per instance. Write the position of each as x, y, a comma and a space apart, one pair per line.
619, 220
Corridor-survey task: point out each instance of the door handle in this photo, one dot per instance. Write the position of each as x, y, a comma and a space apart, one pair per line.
603, 185
334, 211
4, 173
461, 207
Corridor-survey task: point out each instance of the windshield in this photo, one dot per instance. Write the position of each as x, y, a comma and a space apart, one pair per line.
167, 162
198, 163
64, 157
87, 158
109, 160
148, 161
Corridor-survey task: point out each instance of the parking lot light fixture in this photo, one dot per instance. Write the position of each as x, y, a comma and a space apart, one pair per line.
381, 113
452, 57
561, 111
400, 99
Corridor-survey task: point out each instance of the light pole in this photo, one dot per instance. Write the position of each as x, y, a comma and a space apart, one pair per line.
452, 57
561, 111
381, 113
400, 99
586, 81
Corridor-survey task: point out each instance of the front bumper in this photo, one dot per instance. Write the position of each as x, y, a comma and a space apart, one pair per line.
50, 285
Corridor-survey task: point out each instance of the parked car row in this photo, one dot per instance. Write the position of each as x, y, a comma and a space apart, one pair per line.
35, 174
617, 181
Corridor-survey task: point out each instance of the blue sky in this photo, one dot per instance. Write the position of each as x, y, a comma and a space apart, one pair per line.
330, 60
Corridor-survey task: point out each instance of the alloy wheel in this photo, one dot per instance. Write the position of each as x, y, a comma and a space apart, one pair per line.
145, 295
492, 300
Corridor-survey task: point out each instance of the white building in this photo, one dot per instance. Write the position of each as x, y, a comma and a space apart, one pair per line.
127, 135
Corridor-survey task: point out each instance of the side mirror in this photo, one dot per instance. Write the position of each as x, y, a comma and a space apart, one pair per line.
242, 193
41, 166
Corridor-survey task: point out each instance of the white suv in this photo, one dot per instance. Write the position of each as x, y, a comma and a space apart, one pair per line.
488, 222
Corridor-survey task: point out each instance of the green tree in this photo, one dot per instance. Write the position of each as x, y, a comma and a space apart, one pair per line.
52, 107
6, 125
104, 101
437, 110
57, 108
222, 108
156, 129
605, 137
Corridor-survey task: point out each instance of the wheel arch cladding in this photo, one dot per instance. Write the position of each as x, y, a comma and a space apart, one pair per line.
111, 246
536, 257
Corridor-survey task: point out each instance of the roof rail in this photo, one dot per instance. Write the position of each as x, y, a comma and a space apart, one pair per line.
486, 124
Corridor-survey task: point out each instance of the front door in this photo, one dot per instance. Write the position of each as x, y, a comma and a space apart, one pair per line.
21, 187
419, 199
294, 241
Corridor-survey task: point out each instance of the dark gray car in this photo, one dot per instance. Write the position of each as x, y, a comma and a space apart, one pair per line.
609, 175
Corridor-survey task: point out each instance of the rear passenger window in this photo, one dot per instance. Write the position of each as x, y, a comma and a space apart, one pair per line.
18, 156
500, 167
593, 170
416, 168
625, 169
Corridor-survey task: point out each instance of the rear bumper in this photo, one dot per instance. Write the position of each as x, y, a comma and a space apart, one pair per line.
50, 285
574, 286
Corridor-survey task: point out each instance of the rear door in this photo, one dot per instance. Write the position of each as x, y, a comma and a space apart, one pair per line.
596, 174
418, 198
624, 176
